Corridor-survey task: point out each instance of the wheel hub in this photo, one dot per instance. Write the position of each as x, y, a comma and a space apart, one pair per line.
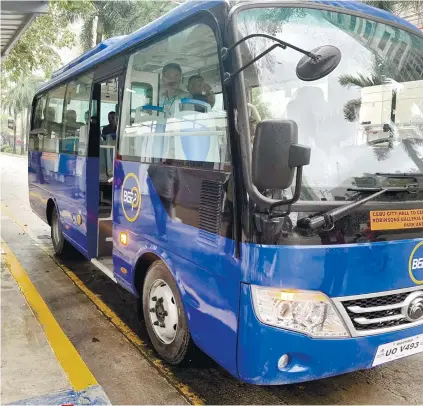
163, 311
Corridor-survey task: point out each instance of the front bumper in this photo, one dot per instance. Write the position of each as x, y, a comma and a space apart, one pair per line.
260, 347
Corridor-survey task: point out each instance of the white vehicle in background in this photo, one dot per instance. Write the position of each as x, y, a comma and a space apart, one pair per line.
391, 112
409, 110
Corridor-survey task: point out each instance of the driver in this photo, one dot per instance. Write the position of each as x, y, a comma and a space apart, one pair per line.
171, 91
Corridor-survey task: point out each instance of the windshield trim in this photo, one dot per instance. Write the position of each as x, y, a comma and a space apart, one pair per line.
235, 10
262, 201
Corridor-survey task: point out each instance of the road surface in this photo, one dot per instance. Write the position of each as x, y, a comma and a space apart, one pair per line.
123, 362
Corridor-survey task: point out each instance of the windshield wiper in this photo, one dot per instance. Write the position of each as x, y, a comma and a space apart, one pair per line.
326, 221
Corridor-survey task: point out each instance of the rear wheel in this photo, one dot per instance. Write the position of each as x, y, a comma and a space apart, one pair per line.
164, 315
60, 245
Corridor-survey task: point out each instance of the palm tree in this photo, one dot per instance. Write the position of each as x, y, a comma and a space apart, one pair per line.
106, 19
398, 7
17, 99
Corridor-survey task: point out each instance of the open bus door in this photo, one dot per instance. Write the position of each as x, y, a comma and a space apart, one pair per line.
104, 118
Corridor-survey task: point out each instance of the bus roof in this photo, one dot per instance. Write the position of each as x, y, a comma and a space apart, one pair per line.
113, 46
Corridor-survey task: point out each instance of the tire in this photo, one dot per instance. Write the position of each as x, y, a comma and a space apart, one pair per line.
60, 245
164, 315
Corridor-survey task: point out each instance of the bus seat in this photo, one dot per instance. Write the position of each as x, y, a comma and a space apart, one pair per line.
200, 144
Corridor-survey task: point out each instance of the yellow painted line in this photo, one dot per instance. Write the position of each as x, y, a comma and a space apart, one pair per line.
129, 334
132, 337
75, 368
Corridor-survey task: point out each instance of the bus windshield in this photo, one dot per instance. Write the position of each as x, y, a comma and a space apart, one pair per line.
364, 118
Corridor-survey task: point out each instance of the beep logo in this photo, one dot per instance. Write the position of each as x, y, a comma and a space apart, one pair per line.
131, 197
415, 265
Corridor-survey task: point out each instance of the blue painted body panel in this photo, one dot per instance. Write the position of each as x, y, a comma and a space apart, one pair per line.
63, 178
340, 270
261, 346
207, 275
213, 282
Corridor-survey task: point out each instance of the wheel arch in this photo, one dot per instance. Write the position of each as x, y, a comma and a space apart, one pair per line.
51, 204
144, 261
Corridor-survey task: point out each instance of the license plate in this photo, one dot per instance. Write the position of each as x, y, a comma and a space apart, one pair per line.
398, 349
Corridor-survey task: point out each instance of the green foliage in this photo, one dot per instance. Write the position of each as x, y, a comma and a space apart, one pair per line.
398, 7
36, 49
17, 96
386, 5
352, 109
106, 19
6, 148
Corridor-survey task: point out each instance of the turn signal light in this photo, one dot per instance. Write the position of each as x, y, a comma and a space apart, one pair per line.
124, 238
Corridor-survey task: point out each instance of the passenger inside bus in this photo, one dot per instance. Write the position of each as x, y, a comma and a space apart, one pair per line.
50, 116
200, 91
169, 108
109, 131
71, 124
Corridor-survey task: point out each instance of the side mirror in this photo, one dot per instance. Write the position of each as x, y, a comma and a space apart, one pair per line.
276, 154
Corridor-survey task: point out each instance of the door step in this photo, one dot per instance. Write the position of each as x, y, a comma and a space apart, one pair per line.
105, 232
105, 265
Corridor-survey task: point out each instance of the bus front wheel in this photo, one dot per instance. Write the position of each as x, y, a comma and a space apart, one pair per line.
164, 315
60, 245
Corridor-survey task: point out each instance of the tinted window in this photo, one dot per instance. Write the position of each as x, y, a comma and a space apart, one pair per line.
54, 120
38, 124
75, 123
172, 106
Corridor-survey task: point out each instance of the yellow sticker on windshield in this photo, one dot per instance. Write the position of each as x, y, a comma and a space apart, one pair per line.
396, 219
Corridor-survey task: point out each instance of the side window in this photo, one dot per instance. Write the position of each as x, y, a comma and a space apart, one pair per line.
54, 120
141, 95
38, 124
75, 122
173, 105
40, 106
109, 108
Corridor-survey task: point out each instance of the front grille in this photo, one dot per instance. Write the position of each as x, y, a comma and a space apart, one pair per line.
373, 314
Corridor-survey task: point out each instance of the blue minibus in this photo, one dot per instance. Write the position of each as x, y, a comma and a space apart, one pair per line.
253, 173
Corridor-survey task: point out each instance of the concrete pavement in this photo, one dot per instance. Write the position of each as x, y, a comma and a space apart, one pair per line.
39, 363
119, 366
114, 362
24, 344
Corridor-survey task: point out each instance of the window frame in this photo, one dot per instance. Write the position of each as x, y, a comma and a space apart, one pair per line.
33, 130
73, 80
208, 19
65, 85
238, 88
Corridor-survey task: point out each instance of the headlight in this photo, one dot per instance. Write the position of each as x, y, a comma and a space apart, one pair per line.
308, 312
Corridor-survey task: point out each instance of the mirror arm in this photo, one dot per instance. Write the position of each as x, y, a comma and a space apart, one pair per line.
282, 44
289, 202
229, 76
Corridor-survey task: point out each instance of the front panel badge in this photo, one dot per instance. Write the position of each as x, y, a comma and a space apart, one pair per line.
131, 197
415, 264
